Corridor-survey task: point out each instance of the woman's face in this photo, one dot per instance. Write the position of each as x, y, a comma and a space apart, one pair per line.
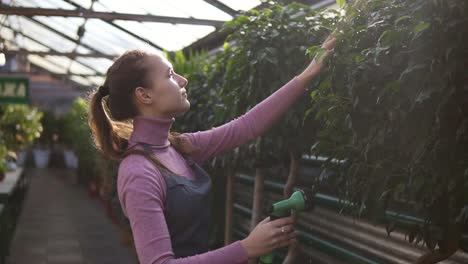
167, 96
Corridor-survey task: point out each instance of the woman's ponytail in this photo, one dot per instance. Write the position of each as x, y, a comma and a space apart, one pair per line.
105, 132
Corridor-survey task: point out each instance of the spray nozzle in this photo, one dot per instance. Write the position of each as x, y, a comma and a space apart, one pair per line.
300, 200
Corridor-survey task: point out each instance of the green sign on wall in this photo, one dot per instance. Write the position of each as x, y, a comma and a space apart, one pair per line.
14, 90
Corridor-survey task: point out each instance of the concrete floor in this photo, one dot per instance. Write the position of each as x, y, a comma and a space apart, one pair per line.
60, 223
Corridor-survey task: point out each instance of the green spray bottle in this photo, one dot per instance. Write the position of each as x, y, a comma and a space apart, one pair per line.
300, 200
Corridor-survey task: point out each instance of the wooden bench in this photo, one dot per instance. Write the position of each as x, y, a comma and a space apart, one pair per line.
12, 192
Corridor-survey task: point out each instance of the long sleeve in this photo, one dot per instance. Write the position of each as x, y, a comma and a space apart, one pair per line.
250, 125
142, 193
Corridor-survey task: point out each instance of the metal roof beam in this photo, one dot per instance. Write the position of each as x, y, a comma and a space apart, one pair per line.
49, 72
70, 55
222, 7
107, 16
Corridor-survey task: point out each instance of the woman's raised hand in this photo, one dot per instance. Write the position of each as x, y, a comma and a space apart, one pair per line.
316, 65
270, 235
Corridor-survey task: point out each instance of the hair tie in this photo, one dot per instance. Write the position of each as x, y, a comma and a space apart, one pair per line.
103, 90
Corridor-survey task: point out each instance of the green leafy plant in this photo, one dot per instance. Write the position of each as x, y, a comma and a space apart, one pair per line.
269, 47
3, 164
20, 125
77, 129
393, 105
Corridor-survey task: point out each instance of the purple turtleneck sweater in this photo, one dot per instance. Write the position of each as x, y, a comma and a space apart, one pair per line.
142, 190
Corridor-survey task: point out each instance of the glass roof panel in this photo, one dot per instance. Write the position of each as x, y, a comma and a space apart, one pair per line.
81, 80
168, 36
241, 4
182, 8
41, 34
110, 40
21, 41
60, 61
26, 3
66, 25
80, 69
177, 8
44, 3
65, 63
40, 61
6, 33
99, 64
84, 3
97, 80
119, 7
81, 49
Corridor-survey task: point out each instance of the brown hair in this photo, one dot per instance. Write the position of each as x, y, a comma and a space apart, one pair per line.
111, 118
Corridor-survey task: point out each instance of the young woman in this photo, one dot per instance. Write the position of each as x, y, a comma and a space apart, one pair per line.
163, 190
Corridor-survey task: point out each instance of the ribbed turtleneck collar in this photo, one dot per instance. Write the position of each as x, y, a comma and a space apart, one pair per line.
152, 130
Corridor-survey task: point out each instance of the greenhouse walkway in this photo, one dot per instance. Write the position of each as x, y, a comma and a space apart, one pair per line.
60, 223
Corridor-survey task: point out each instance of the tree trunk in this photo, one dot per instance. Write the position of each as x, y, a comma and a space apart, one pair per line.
257, 197
229, 201
288, 190
292, 177
257, 207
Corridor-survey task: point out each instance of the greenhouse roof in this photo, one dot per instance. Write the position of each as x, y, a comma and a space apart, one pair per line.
80, 38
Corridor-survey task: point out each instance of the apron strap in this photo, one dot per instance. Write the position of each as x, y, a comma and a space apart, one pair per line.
148, 154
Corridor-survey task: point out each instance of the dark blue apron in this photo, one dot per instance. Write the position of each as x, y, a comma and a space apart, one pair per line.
187, 209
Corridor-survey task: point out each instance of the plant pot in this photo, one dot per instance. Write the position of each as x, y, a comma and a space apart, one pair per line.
71, 160
41, 157
11, 165
22, 154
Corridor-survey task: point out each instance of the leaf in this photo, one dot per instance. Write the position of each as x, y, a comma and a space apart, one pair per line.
410, 70
420, 27
348, 121
362, 209
311, 51
389, 37
325, 85
393, 86
314, 146
403, 18
307, 113
424, 95
320, 55
314, 94
340, 3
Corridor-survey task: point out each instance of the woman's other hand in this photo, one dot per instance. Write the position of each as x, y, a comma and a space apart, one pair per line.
270, 235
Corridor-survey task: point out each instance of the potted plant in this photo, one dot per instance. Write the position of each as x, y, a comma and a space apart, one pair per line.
77, 137
19, 127
3, 163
